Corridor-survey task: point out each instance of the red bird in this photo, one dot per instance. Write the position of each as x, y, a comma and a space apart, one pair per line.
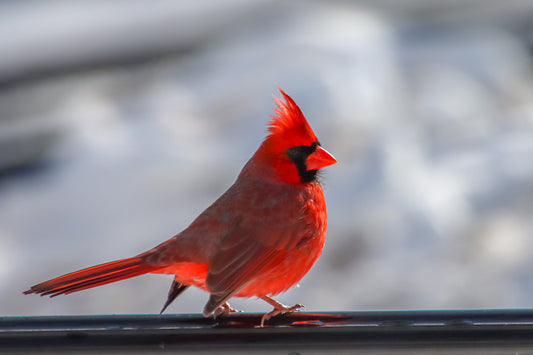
258, 239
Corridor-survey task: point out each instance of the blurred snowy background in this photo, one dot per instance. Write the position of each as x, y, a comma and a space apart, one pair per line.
120, 121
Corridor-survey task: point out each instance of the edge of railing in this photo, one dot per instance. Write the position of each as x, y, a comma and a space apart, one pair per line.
450, 330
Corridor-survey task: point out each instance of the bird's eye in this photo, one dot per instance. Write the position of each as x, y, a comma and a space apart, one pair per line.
298, 155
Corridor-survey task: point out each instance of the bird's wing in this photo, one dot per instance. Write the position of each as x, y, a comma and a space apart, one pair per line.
246, 253
239, 261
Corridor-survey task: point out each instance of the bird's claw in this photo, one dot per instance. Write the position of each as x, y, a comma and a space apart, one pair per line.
224, 309
280, 309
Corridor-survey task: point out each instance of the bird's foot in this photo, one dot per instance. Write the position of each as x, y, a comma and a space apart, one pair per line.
224, 309
279, 308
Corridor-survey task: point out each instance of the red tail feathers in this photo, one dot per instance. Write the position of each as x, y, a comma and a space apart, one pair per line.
93, 276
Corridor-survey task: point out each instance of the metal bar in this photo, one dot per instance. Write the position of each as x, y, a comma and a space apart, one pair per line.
458, 331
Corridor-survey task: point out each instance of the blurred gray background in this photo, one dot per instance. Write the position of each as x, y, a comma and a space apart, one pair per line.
120, 121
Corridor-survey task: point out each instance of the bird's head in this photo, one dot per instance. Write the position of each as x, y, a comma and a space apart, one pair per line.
292, 151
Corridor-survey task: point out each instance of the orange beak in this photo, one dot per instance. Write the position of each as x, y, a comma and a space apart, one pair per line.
319, 159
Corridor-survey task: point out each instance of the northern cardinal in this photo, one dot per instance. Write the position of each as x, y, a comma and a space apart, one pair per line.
258, 239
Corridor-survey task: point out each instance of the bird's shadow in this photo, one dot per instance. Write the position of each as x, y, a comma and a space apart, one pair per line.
296, 319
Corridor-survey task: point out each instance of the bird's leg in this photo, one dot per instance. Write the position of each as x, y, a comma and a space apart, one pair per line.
224, 309
279, 308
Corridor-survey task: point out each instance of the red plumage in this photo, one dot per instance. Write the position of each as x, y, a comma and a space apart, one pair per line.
258, 239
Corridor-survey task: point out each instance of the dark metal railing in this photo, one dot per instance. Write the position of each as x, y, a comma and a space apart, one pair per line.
302, 332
